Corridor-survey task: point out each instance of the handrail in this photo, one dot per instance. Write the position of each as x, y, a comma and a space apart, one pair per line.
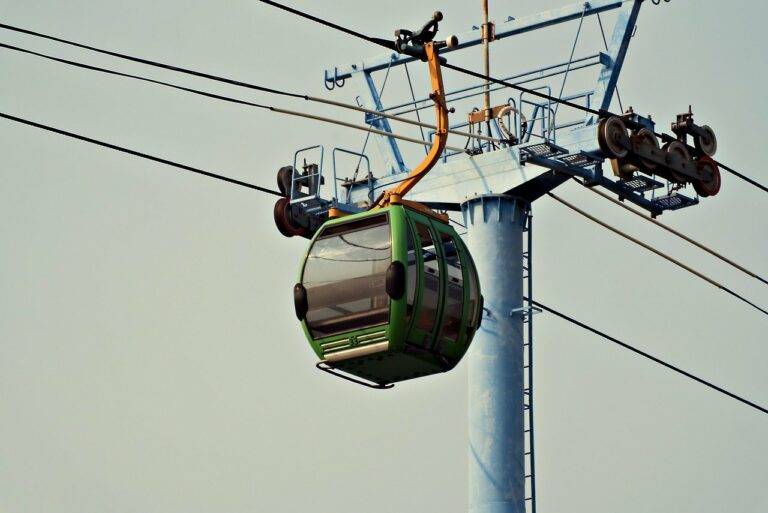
540, 71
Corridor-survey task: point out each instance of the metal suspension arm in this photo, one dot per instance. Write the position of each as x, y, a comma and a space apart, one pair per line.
441, 133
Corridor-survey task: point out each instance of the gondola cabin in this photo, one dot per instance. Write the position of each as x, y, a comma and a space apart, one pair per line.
388, 295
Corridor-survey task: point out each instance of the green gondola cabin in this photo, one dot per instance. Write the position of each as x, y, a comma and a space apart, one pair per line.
388, 295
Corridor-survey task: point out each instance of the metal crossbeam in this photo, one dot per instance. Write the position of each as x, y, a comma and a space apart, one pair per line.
473, 38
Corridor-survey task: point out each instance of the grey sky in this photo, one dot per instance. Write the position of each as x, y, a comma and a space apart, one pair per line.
149, 356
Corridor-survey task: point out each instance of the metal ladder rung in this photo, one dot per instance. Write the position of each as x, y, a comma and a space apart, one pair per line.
528, 311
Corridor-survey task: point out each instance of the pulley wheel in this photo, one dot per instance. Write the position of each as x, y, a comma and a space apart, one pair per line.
645, 141
677, 154
706, 144
282, 215
612, 137
710, 186
284, 178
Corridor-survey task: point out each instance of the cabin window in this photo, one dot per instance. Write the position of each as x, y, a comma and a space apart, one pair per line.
412, 275
474, 299
454, 296
345, 277
431, 292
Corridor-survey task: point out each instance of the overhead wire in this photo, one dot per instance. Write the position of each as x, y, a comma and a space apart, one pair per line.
678, 234
742, 176
149, 62
136, 153
657, 252
647, 355
209, 76
131, 76
230, 99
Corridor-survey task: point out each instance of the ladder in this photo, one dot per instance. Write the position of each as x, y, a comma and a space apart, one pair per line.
528, 311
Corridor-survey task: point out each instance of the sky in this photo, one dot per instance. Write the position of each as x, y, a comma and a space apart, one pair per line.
150, 359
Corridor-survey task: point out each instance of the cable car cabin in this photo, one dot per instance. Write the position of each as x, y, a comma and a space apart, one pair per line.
388, 295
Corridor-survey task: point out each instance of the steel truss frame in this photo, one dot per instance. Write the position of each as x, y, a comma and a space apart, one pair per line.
532, 167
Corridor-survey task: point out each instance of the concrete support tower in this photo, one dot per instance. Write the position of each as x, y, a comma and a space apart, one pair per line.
496, 440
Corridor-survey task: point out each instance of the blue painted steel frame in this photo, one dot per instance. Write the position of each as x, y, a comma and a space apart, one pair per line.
371, 99
474, 38
617, 50
505, 170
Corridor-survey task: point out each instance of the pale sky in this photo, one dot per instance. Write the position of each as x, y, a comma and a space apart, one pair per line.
150, 359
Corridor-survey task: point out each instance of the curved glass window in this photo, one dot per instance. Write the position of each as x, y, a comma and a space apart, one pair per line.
474, 299
412, 275
345, 276
431, 292
454, 297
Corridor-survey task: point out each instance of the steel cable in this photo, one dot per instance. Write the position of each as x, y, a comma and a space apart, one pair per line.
648, 356
229, 98
678, 234
207, 76
657, 252
139, 154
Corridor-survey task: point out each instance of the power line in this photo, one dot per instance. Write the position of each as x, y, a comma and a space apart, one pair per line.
677, 233
550, 98
134, 77
230, 99
361, 127
139, 154
354, 33
525, 90
647, 355
148, 62
657, 252
242, 102
743, 177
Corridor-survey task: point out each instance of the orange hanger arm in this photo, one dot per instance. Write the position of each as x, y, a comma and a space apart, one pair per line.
441, 133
